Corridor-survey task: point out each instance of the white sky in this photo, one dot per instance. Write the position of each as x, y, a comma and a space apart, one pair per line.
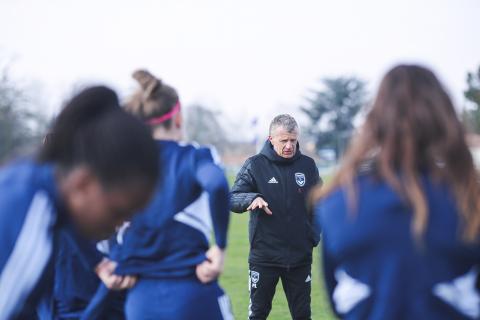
244, 58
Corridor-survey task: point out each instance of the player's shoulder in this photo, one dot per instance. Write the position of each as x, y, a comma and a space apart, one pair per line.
20, 182
21, 197
195, 146
17, 182
201, 152
17, 171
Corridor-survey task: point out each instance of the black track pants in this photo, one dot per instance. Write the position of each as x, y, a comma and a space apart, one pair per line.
296, 283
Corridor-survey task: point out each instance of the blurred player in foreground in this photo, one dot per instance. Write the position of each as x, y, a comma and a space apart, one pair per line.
167, 245
401, 218
98, 168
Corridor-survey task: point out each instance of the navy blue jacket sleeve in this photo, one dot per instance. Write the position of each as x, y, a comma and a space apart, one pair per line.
212, 180
25, 251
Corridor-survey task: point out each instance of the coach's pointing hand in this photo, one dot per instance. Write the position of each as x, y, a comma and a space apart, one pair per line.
261, 204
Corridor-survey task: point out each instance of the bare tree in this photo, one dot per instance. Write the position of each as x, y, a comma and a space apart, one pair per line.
21, 129
332, 111
202, 126
471, 116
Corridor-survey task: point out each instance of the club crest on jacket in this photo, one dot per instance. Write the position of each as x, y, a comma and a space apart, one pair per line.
300, 179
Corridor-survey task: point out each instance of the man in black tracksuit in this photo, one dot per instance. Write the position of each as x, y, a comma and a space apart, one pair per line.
273, 185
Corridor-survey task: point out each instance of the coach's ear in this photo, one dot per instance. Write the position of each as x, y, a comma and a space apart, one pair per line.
270, 138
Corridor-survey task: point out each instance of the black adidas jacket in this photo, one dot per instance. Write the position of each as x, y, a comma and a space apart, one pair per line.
286, 238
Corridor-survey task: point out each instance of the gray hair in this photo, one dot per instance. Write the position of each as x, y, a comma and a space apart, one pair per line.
285, 121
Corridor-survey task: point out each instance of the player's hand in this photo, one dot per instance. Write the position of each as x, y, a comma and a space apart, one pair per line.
112, 281
261, 204
210, 269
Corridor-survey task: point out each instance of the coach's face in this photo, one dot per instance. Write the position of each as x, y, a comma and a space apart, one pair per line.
284, 143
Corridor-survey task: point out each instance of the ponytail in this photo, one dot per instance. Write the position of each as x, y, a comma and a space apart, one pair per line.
153, 100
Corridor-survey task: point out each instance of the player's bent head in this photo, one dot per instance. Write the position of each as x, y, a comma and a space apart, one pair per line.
106, 161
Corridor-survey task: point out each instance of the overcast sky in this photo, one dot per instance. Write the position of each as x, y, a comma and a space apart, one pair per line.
249, 58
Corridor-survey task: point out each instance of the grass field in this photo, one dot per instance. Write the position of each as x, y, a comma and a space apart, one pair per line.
235, 278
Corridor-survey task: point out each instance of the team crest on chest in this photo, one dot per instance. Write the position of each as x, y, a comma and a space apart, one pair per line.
300, 179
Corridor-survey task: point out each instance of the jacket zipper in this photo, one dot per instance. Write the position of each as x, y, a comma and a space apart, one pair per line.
285, 192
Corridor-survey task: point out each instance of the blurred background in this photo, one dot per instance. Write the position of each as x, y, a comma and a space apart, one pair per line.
236, 64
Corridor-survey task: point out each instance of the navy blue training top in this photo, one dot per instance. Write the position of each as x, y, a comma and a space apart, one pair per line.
373, 267
76, 282
29, 205
170, 237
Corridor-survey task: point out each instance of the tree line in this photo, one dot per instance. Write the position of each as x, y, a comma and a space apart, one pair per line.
332, 111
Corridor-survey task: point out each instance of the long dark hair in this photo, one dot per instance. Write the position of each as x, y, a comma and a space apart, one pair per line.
412, 128
93, 130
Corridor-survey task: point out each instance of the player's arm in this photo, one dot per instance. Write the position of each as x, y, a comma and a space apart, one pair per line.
25, 251
244, 190
212, 180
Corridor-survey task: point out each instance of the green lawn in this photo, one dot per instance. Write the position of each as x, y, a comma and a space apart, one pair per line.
235, 278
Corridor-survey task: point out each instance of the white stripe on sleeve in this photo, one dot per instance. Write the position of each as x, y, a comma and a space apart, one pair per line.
197, 215
225, 307
29, 257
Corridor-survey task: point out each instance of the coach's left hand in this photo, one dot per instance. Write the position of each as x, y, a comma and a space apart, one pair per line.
210, 269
